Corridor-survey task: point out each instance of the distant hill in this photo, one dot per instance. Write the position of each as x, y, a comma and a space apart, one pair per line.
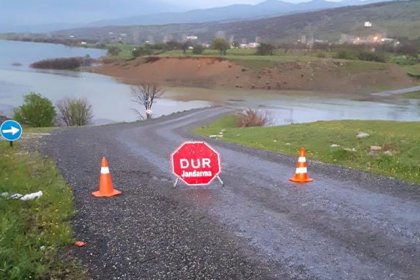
391, 19
48, 15
229, 13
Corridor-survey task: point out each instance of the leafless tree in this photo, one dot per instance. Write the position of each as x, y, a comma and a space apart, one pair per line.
251, 117
145, 94
75, 112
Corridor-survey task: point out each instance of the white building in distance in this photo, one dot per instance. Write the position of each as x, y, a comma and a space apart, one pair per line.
192, 37
368, 24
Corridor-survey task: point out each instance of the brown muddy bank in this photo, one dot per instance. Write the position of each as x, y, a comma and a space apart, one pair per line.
210, 72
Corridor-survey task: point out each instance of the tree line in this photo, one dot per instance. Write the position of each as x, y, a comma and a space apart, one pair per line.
369, 52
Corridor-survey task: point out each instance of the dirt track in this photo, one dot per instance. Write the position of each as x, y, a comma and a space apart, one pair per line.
344, 225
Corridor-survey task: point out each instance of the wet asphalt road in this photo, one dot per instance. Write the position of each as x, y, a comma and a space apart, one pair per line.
344, 225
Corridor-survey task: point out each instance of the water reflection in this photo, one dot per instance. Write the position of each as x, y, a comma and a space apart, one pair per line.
66, 73
285, 109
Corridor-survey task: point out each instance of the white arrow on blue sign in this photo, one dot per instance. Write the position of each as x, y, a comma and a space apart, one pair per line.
11, 130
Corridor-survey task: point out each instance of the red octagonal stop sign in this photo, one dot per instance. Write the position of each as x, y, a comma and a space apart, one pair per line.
196, 163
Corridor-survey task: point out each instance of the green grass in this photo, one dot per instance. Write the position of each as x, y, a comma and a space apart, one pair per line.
257, 63
413, 70
33, 233
211, 52
28, 129
412, 95
247, 57
356, 66
126, 51
400, 139
376, 88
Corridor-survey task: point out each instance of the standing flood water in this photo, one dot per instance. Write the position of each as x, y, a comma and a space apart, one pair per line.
112, 101
286, 107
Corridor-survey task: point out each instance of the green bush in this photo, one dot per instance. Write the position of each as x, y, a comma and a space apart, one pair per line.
265, 49
198, 49
67, 63
404, 60
345, 54
221, 45
36, 111
371, 56
114, 50
141, 51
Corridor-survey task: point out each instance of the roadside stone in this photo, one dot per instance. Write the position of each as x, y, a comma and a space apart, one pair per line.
350, 149
362, 135
334, 146
375, 148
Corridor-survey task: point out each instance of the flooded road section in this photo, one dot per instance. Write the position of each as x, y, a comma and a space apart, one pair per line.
286, 107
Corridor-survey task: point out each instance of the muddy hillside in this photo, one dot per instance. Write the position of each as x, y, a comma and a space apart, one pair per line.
211, 72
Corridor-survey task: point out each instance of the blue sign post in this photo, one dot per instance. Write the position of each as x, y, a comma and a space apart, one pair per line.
11, 131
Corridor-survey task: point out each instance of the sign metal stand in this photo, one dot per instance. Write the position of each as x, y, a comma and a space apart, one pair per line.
218, 178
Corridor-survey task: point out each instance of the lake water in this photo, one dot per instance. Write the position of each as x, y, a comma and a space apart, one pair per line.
286, 107
112, 101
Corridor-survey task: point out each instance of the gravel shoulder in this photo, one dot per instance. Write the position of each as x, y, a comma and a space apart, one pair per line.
345, 225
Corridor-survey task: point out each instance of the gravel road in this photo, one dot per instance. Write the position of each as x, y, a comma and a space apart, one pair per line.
344, 225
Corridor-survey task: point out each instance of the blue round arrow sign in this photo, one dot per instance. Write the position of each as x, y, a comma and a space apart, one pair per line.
11, 130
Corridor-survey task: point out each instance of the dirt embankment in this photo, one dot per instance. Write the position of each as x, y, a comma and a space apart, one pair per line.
211, 72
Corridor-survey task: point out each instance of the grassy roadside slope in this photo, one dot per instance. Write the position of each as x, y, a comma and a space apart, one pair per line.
399, 141
412, 95
33, 233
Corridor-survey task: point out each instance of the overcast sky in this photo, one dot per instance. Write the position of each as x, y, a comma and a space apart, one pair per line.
218, 3
24, 12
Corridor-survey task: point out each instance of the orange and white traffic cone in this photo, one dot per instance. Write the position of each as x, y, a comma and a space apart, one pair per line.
301, 174
106, 189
